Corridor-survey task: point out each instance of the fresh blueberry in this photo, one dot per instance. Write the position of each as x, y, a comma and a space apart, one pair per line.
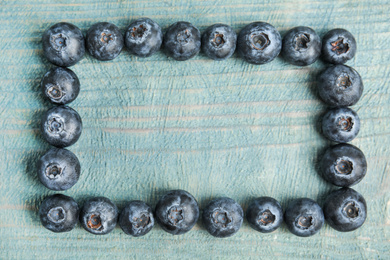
259, 43
143, 37
58, 169
301, 46
340, 124
219, 41
177, 212
304, 217
63, 44
60, 85
182, 41
264, 214
345, 210
99, 216
340, 86
59, 213
61, 126
136, 219
343, 165
338, 46
222, 217
104, 41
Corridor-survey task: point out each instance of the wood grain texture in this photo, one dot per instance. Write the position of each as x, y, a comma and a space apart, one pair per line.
212, 128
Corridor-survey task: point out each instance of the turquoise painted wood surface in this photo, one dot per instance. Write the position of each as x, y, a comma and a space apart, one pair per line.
212, 128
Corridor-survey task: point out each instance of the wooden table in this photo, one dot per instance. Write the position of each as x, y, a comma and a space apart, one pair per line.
212, 128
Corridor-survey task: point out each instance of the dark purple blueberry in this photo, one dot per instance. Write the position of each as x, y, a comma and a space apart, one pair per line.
143, 37
58, 169
99, 216
222, 217
219, 41
61, 126
104, 41
59, 213
177, 212
63, 44
345, 210
182, 41
264, 214
259, 43
301, 46
340, 86
304, 217
340, 124
343, 165
338, 46
136, 219
60, 85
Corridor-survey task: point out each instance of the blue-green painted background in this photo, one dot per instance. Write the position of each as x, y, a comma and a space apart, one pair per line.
212, 128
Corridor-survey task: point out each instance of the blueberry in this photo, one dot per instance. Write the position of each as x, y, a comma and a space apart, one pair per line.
343, 165
177, 212
219, 41
338, 46
259, 43
301, 46
60, 85
58, 169
99, 216
345, 210
143, 37
264, 214
222, 217
104, 41
340, 124
61, 126
304, 217
136, 219
340, 86
63, 44
182, 41
59, 213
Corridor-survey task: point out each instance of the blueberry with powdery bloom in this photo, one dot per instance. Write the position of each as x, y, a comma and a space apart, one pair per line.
259, 43
338, 46
182, 41
104, 41
63, 44
136, 219
143, 37
340, 124
264, 214
219, 41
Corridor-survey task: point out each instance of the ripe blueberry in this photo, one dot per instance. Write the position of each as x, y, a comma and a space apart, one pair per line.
143, 37
259, 43
264, 214
61, 126
340, 124
136, 219
59, 213
104, 41
345, 210
301, 46
177, 212
343, 165
338, 46
219, 41
304, 217
99, 216
222, 217
340, 86
58, 169
182, 41
63, 44
60, 85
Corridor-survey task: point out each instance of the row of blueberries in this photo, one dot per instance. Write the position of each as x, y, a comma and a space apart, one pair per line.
177, 212
257, 43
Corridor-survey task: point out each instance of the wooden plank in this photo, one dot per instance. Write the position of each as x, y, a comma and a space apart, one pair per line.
212, 128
